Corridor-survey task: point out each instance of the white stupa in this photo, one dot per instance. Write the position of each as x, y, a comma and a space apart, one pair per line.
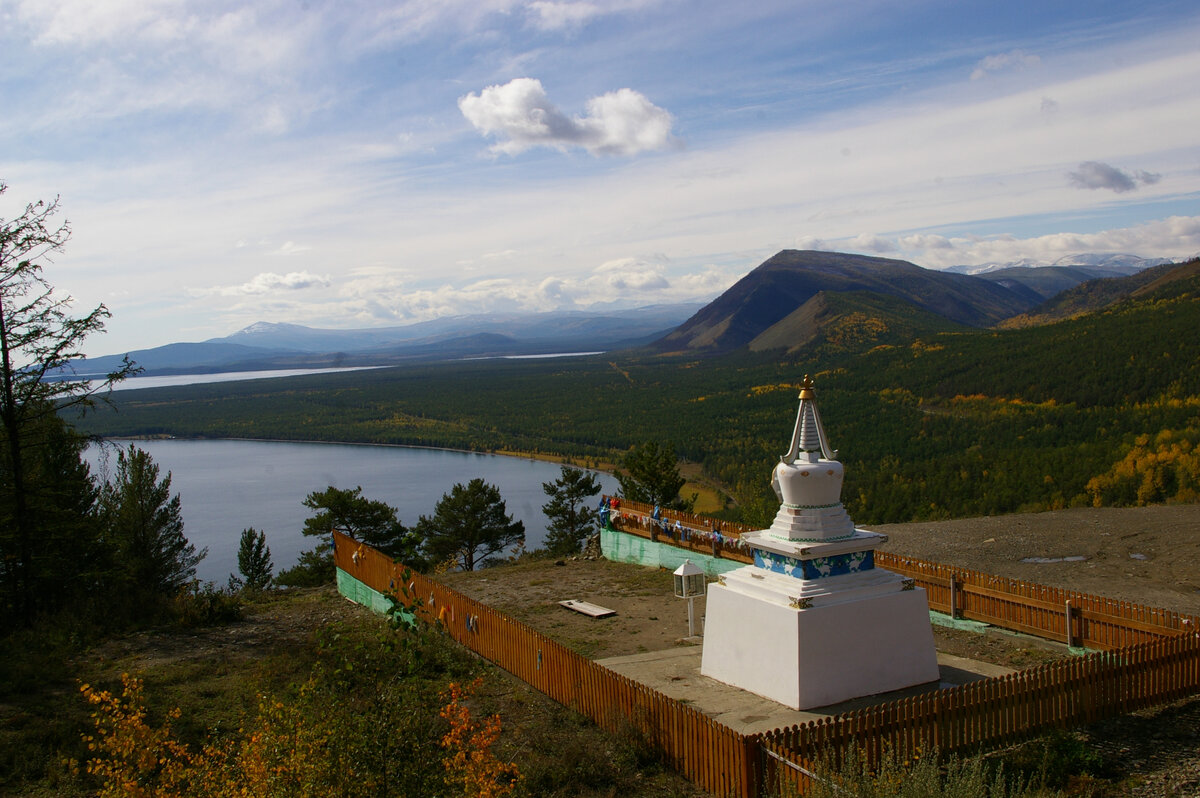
813, 622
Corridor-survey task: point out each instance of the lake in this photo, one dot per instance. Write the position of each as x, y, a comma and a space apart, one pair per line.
172, 380
225, 486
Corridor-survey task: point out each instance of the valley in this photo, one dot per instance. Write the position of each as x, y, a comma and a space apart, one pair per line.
1103, 409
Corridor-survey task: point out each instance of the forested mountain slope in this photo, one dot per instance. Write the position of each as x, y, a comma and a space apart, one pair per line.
852, 321
1094, 295
783, 283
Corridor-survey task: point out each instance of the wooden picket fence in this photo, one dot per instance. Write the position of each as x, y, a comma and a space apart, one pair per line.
990, 712
1068, 616
713, 756
1162, 663
1078, 619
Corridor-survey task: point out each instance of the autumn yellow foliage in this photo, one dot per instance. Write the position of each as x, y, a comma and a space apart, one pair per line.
282, 752
472, 769
1164, 467
133, 758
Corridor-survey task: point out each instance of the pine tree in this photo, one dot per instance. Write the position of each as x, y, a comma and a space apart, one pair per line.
254, 561
652, 476
469, 525
568, 510
144, 527
39, 344
371, 521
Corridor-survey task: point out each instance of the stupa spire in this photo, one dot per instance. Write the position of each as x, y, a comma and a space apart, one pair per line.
808, 438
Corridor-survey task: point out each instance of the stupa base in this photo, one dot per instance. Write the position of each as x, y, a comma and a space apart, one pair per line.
806, 654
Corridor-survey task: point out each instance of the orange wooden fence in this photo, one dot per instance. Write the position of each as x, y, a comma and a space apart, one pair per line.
1162, 664
1077, 619
715, 757
1004, 709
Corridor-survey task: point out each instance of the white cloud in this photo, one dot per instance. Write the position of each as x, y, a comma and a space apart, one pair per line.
1014, 59
870, 242
269, 283
520, 113
810, 242
1094, 175
926, 241
86, 22
1174, 237
1049, 109
381, 296
624, 275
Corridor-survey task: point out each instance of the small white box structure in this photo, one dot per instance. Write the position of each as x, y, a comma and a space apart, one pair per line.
690, 582
813, 622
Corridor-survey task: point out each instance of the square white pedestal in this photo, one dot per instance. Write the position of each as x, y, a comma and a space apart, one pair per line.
820, 655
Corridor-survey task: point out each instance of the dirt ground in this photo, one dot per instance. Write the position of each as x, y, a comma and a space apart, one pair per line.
648, 617
267, 627
1149, 555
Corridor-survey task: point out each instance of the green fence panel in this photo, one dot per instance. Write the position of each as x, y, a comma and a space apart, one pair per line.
620, 547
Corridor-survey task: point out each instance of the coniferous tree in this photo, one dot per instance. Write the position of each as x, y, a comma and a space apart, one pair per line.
651, 476
570, 514
39, 342
469, 525
144, 527
371, 521
69, 562
254, 561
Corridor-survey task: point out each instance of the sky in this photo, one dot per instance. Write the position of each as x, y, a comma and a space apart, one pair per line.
362, 163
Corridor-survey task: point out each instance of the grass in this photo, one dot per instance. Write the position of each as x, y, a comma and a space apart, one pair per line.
216, 677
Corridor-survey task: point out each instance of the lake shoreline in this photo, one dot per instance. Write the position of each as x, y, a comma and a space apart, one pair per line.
227, 485
607, 468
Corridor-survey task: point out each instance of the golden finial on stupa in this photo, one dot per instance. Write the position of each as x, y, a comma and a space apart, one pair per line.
806, 388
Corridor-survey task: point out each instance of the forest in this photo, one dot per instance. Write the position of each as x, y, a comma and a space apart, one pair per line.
1099, 410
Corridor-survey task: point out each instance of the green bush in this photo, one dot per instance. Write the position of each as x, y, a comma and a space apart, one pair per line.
1056, 759
204, 604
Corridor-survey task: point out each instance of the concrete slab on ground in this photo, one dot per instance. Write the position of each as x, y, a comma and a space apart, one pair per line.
675, 672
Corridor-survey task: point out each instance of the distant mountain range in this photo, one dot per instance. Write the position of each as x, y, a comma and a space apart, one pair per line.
266, 345
1101, 264
793, 300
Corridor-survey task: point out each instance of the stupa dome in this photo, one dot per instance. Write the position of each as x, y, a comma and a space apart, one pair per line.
808, 480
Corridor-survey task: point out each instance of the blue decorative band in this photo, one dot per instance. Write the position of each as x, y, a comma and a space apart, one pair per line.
816, 568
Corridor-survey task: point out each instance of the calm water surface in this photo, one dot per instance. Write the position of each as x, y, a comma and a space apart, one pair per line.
226, 486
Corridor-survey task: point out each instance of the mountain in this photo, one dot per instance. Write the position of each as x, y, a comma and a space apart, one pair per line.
267, 345
1105, 264
185, 358
779, 288
1095, 295
1039, 283
583, 329
850, 321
